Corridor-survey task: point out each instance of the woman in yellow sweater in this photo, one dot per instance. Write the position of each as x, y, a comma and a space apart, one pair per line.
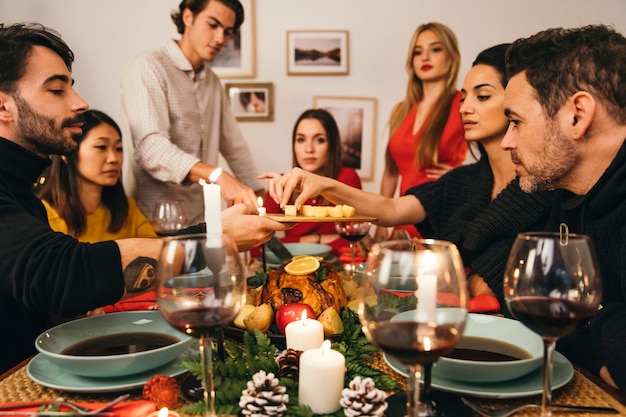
84, 195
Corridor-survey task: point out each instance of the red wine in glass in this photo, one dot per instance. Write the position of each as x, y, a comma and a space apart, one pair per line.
352, 232
552, 283
201, 321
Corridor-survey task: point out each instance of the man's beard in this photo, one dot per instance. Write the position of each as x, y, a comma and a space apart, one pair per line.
40, 134
556, 160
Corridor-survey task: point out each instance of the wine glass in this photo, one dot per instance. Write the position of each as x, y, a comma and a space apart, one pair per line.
551, 283
201, 287
168, 217
421, 305
352, 232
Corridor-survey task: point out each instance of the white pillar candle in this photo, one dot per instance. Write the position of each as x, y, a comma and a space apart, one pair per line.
262, 210
321, 379
304, 334
427, 287
213, 209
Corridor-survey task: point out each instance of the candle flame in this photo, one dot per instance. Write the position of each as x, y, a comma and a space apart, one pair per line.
215, 175
260, 201
164, 412
303, 317
325, 346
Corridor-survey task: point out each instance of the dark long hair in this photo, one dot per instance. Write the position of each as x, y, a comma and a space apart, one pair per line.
333, 164
61, 188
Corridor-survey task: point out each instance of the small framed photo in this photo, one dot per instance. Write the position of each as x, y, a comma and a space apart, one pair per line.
251, 102
237, 57
356, 120
317, 52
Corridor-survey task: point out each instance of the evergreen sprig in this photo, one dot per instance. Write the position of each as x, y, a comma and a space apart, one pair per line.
259, 353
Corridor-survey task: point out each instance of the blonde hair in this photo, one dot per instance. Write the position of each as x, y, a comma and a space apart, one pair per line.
426, 151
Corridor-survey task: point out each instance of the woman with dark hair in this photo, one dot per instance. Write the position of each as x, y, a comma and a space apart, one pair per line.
316, 148
479, 207
84, 195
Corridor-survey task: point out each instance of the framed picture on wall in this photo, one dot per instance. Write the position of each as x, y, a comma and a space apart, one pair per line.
251, 102
317, 52
356, 120
237, 58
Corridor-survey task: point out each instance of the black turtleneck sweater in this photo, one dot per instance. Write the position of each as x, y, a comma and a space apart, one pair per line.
43, 272
460, 210
601, 214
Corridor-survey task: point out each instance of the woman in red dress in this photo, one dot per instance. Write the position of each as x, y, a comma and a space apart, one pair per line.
316, 148
426, 134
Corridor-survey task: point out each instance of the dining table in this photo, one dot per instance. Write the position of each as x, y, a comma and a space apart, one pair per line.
583, 389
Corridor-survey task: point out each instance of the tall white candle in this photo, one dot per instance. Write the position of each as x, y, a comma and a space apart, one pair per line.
304, 334
213, 209
321, 379
427, 287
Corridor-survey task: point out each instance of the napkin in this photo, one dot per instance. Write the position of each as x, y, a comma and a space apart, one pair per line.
145, 301
123, 409
484, 303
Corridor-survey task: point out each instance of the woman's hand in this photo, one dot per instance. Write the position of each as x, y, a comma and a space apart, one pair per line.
436, 171
296, 179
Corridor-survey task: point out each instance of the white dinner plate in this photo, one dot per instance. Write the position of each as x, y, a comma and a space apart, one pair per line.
527, 385
44, 372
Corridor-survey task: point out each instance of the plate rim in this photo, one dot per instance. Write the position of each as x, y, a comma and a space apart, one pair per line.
562, 365
105, 384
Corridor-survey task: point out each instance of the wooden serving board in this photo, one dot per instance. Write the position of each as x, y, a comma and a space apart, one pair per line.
312, 219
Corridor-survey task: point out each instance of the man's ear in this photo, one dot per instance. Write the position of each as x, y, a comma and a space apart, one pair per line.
7, 108
187, 17
578, 113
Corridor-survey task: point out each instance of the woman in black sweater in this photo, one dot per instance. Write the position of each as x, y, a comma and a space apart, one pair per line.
479, 207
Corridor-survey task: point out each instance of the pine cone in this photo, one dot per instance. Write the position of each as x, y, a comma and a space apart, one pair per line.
162, 390
288, 364
263, 397
362, 399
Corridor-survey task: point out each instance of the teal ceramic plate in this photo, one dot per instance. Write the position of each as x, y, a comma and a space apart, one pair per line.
525, 386
44, 372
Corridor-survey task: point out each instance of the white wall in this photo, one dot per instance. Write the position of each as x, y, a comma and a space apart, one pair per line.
106, 34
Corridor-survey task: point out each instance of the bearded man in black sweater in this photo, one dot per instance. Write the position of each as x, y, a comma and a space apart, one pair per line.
566, 102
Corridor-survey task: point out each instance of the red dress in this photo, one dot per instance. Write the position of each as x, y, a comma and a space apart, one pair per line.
347, 176
452, 149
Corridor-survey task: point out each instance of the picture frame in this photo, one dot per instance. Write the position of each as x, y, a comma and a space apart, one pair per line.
356, 119
251, 102
237, 59
318, 52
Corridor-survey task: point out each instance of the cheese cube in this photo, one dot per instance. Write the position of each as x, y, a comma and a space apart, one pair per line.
348, 211
308, 210
321, 211
290, 210
336, 211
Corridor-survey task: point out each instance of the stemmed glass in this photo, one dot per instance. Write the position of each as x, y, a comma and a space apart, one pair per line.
421, 305
551, 283
352, 232
168, 217
200, 288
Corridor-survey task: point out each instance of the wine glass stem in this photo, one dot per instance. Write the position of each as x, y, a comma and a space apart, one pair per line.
426, 404
546, 398
413, 392
206, 357
352, 259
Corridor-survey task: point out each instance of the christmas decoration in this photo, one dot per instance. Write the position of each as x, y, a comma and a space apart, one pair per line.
263, 397
162, 390
362, 398
288, 364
